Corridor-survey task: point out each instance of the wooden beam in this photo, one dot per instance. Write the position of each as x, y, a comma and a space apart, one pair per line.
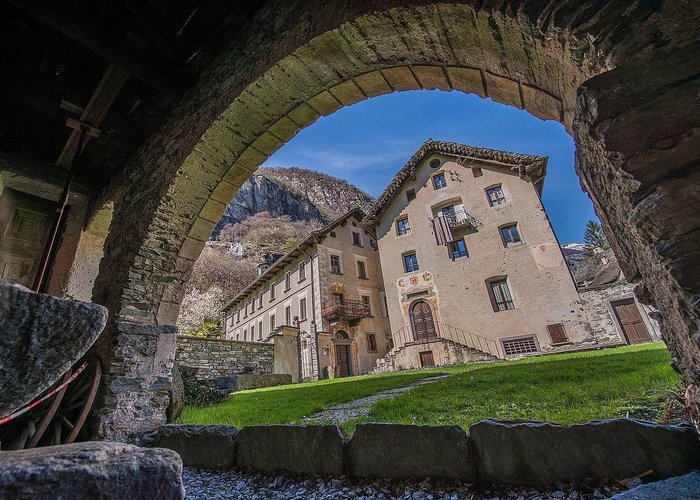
87, 33
152, 32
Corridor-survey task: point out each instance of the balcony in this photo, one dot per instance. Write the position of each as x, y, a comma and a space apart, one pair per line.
458, 218
335, 309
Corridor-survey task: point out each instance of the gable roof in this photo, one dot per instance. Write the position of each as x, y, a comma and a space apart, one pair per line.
312, 238
533, 166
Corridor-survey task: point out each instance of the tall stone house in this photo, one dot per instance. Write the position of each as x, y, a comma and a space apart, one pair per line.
455, 262
329, 290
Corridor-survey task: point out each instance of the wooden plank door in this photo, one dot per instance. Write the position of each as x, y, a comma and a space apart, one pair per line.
423, 324
426, 358
342, 361
631, 322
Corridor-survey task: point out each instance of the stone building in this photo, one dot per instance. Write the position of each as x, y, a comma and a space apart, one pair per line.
328, 290
471, 264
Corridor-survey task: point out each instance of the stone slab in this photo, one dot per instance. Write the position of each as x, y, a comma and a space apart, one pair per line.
40, 338
92, 470
542, 453
202, 446
300, 449
685, 487
409, 451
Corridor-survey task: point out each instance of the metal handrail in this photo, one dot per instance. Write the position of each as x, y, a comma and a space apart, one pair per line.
404, 336
345, 307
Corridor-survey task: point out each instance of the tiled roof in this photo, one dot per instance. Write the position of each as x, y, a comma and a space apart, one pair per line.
533, 166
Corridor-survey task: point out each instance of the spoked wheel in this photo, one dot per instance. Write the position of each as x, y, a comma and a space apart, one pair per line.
59, 419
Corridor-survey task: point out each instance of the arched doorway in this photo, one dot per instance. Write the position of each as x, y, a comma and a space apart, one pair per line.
422, 321
557, 63
343, 361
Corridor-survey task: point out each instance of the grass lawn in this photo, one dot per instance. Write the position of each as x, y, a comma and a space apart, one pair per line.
291, 403
562, 388
627, 381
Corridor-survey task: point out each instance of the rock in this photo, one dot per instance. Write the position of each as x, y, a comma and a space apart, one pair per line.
301, 449
95, 470
540, 453
41, 337
177, 396
203, 446
685, 487
409, 451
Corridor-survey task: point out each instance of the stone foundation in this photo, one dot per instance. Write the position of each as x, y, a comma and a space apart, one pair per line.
445, 352
214, 358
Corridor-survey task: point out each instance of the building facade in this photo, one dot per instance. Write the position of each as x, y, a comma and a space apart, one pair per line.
329, 288
469, 258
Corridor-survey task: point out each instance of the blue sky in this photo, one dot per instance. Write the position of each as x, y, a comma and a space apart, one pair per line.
368, 142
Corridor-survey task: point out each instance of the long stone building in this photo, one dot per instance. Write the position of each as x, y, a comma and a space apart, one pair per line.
456, 262
329, 289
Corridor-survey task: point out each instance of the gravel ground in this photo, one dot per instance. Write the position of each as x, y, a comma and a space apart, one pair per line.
236, 484
353, 409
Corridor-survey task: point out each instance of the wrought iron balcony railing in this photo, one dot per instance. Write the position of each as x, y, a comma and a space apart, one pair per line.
344, 309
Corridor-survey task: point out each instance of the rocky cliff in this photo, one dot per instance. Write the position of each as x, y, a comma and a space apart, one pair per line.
298, 193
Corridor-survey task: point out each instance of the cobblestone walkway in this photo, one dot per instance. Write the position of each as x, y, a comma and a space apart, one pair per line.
353, 409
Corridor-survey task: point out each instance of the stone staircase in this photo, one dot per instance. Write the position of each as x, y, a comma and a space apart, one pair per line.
451, 346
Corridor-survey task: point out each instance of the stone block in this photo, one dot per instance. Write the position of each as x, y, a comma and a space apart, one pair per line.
503, 90
203, 446
347, 93
40, 338
541, 104
100, 470
373, 84
467, 80
201, 229
409, 451
284, 128
401, 78
324, 103
212, 211
431, 77
251, 159
304, 115
267, 143
675, 488
541, 453
300, 449
224, 192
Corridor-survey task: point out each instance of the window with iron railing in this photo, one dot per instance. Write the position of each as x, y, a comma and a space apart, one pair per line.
456, 216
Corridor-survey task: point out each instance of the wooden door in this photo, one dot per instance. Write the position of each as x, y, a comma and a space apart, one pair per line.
631, 322
423, 324
342, 360
426, 358
25, 221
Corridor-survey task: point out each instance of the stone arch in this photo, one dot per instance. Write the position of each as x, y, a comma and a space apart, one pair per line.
303, 60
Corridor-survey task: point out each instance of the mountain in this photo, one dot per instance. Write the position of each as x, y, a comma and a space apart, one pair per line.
299, 193
574, 254
591, 269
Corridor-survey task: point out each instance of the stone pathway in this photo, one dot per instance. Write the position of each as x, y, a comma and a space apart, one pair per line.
201, 484
353, 409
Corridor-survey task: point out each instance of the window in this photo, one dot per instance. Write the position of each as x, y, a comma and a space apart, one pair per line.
402, 226
252, 332
410, 262
356, 239
361, 270
238, 316
382, 300
495, 196
458, 249
476, 172
332, 234
272, 292
302, 271
288, 315
260, 330
335, 264
410, 195
245, 334
245, 311
272, 323
366, 303
302, 309
371, 342
519, 346
510, 235
287, 281
439, 181
435, 163
557, 333
500, 295
260, 299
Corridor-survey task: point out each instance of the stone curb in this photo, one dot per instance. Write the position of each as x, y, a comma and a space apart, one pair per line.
494, 452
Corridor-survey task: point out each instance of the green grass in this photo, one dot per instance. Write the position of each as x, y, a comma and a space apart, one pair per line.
563, 388
291, 403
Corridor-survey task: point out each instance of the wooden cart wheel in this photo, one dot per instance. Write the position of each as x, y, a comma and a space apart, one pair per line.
60, 419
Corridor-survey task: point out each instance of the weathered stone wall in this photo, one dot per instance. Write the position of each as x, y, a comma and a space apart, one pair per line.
444, 352
301, 60
600, 322
215, 358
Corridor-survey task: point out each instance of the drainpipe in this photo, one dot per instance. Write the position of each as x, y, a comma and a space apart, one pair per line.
313, 328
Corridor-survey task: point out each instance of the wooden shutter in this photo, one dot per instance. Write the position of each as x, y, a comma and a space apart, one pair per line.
557, 333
